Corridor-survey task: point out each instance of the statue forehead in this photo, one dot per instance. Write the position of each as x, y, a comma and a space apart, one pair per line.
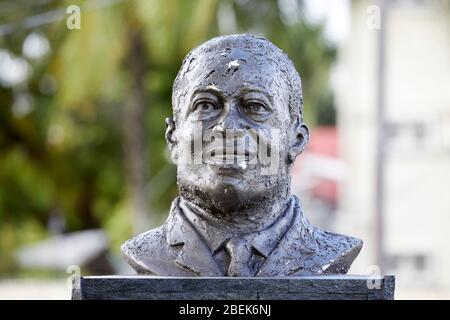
230, 73
234, 62
230, 69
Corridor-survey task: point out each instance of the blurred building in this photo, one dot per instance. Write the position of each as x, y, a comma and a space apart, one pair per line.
317, 175
417, 134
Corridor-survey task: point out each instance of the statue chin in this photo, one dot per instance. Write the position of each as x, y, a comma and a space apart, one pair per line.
219, 198
225, 197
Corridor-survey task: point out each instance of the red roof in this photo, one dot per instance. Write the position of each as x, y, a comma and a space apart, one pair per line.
323, 141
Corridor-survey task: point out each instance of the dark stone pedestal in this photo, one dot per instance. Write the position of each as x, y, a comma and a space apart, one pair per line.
287, 288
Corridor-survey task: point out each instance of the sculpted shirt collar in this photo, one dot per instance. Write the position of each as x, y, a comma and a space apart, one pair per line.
216, 236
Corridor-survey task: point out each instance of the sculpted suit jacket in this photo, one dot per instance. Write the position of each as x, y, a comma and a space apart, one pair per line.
178, 249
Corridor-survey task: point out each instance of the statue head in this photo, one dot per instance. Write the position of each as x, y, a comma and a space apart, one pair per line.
237, 124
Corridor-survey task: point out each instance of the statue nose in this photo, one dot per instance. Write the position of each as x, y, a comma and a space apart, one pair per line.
230, 120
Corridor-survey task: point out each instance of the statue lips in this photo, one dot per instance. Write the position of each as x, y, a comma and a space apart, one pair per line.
224, 163
227, 170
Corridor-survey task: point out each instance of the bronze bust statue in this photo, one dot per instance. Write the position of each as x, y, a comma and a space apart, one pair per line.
237, 127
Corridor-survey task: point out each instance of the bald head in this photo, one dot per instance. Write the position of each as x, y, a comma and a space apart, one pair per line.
226, 58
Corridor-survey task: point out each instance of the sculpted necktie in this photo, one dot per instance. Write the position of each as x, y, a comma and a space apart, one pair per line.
240, 256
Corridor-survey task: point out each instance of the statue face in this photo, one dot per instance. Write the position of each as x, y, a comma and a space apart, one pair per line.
233, 132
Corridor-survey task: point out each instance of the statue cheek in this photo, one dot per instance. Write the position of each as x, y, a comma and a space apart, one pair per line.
174, 154
188, 147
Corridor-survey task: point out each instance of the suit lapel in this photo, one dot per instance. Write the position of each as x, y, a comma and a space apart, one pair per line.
194, 255
289, 256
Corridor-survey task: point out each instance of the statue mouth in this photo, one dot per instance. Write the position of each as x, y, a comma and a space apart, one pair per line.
229, 163
227, 170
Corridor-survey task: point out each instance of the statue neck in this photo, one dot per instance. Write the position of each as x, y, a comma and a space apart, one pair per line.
245, 219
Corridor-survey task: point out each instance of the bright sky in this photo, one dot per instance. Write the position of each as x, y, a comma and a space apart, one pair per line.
334, 13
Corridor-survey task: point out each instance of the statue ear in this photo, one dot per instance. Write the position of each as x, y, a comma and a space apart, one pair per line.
170, 138
299, 139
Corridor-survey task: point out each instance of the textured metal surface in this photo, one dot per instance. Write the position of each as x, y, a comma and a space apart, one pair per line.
286, 288
239, 83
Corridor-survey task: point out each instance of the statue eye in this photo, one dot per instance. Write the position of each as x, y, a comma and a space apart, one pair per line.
256, 110
203, 106
205, 109
255, 107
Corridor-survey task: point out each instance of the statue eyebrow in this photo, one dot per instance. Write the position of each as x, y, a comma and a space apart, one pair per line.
251, 89
209, 89
212, 89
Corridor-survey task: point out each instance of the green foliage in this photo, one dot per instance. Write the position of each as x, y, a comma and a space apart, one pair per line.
66, 156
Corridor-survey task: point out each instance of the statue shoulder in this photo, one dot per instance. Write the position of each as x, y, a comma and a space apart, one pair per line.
309, 250
149, 246
337, 251
330, 252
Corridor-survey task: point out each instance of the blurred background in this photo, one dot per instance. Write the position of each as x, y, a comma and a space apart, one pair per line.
85, 87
